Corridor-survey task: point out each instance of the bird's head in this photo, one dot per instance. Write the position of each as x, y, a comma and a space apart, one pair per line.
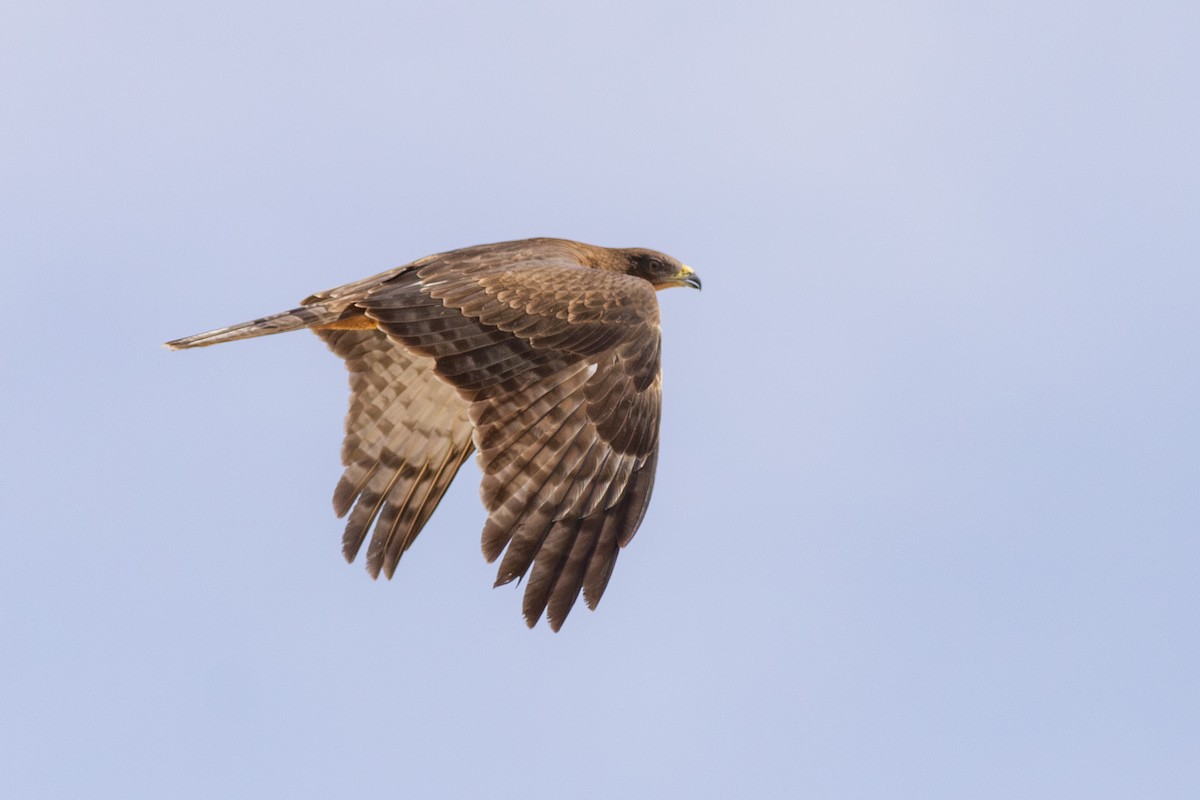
660, 269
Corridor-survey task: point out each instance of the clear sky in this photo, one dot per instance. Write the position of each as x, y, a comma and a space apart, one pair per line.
927, 517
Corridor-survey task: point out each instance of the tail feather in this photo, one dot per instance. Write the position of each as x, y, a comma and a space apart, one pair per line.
295, 319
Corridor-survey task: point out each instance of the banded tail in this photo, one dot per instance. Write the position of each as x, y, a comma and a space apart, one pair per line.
327, 314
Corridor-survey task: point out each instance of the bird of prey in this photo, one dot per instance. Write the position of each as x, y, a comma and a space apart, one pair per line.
543, 355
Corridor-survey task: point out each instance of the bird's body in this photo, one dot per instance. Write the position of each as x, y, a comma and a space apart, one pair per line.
543, 355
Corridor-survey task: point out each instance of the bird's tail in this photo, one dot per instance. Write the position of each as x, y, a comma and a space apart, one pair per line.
305, 317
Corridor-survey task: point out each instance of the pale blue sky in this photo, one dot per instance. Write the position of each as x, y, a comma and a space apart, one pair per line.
927, 511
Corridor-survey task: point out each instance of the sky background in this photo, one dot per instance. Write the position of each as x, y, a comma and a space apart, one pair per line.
927, 511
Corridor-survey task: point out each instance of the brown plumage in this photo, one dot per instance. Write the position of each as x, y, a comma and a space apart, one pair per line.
541, 354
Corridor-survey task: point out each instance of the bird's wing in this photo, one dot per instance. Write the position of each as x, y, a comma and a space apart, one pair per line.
407, 433
560, 364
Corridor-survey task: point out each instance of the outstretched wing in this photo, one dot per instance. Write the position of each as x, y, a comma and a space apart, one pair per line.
560, 365
407, 433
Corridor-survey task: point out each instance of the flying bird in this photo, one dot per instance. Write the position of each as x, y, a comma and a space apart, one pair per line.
540, 354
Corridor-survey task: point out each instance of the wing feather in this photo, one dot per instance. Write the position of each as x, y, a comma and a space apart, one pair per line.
407, 433
560, 367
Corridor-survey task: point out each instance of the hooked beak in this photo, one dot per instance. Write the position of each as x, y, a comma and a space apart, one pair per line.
688, 277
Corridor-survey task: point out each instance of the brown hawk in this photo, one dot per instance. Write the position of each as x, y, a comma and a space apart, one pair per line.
543, 355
